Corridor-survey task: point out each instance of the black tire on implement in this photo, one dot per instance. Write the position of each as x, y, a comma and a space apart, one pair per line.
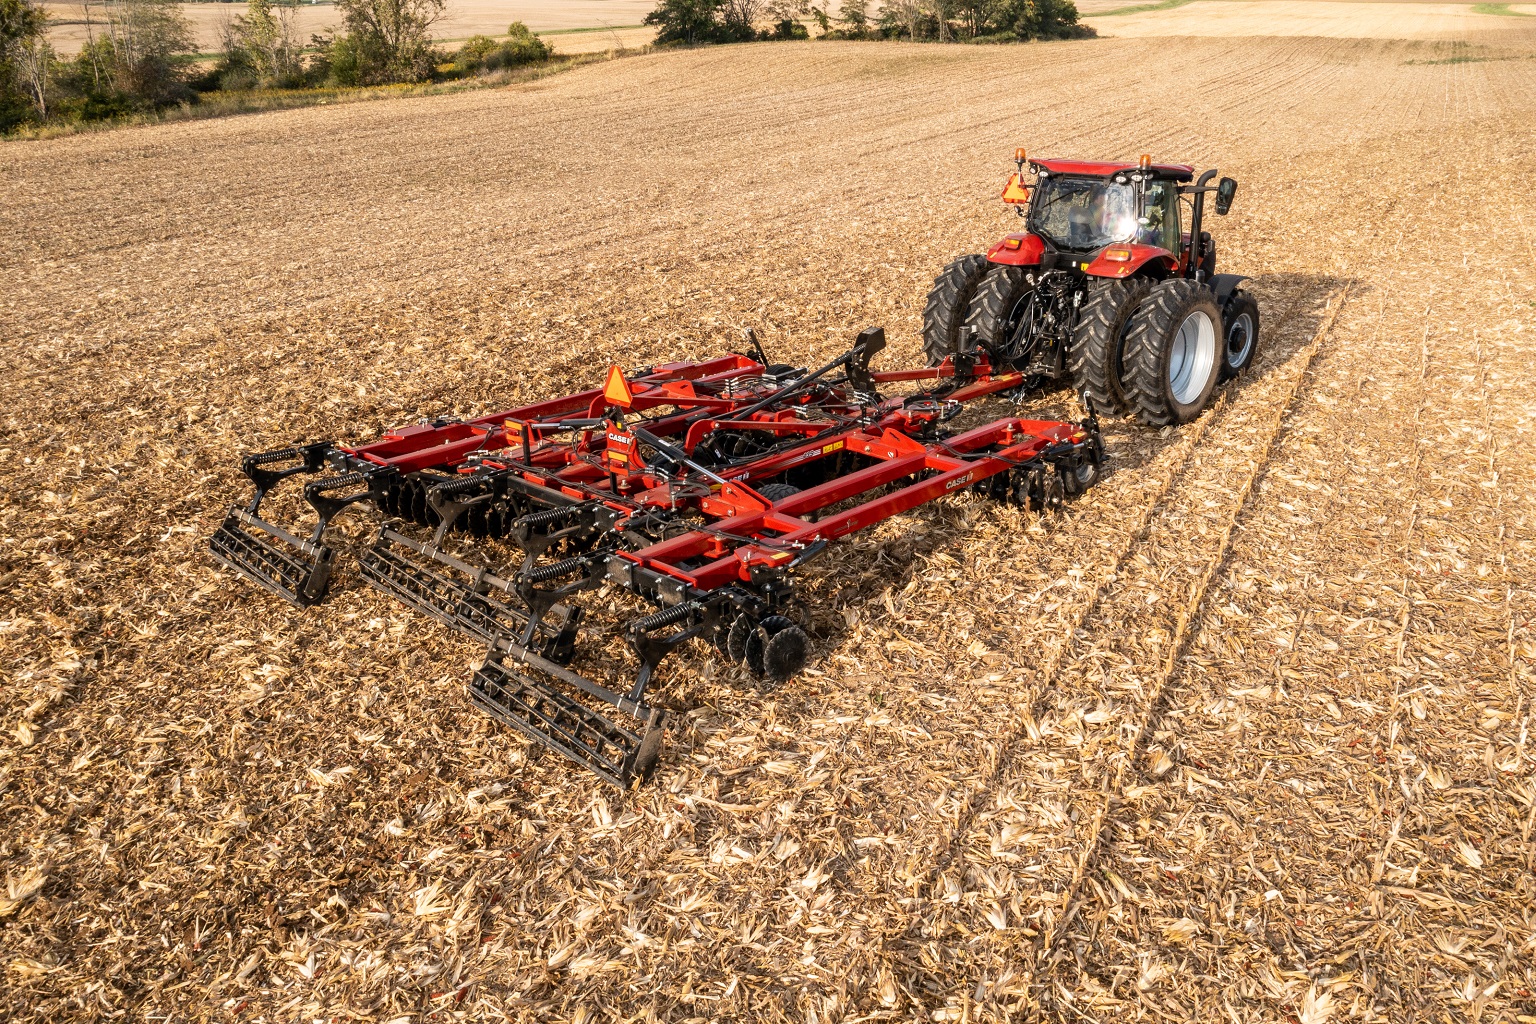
948, 302
1240, 331
1098, 344
777, 492
1173, 353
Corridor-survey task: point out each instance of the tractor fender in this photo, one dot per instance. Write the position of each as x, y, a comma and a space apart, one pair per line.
1021, 250
1224, 285
1141, 256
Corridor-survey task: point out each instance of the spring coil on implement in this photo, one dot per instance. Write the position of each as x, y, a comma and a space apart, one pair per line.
665, 617
336, 482
550, 515
278, 456
566, 567
459, 485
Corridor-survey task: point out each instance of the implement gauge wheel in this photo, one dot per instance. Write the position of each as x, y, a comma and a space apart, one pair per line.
948, 301
1173, 353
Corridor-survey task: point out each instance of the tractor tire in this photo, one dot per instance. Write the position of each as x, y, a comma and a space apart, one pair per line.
1098, 344
1172, 355
994, 305
1240, 329
948, 302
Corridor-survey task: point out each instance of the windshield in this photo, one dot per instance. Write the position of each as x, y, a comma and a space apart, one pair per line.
1083, 213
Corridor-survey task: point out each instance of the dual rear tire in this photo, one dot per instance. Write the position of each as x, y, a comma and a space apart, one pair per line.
1155, 350
1173, 353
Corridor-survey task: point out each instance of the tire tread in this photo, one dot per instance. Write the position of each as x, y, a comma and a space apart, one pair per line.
1145, 390
1100, 328
948, 302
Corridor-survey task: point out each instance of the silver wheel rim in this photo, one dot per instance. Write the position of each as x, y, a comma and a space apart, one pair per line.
1239, 341
1192, 358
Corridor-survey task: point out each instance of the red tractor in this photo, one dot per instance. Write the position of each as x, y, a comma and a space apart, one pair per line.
1112, 283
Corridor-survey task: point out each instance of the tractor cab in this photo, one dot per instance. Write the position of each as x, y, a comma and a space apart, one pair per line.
1081, 207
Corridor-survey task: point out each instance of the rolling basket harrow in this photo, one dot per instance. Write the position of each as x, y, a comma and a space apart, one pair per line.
698, 488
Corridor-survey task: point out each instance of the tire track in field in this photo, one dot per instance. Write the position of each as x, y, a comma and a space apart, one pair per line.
999, 798
1024, 727
1291, 934
1178, 643
1133, 538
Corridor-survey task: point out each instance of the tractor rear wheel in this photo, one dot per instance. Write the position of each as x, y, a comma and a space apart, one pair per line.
1240, 325
948, 302
1098, 344
998, 306
1173, 353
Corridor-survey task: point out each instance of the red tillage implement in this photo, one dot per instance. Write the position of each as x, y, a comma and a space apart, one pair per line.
697, 488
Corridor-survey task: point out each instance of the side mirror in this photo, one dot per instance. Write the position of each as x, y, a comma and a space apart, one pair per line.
1226, 190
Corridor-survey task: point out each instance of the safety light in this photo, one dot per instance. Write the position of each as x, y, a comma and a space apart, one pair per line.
1146, 161
1117, 255
1012, 242
1019, 156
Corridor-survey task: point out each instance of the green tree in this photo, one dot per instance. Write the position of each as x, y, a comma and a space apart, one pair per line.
692, 22
129, 59
260, 49
482, 53
385, 41
854, 15
1049, 19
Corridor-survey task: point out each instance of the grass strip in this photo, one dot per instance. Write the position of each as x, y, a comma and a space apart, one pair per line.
1501, 10
575, 31
1165, 5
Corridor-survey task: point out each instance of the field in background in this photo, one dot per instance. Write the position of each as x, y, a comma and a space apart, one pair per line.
1243, 735
463, 18
1341, 19
614, 24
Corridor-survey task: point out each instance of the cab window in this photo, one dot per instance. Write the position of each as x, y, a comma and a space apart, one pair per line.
1162, 216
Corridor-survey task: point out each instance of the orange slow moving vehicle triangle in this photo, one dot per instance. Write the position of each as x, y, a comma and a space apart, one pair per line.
617, 389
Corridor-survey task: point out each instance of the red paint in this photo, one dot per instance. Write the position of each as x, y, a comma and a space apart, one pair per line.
1101, 169
1025, 254
1141, 255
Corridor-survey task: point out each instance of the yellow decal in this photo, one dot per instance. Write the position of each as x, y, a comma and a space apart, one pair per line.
834, 446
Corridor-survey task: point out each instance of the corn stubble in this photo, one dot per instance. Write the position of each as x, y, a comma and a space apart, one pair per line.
1244, 734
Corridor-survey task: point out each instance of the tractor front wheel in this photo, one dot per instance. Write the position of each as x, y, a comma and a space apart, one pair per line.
948, 302
1241, 328
1173, 353
1098, 344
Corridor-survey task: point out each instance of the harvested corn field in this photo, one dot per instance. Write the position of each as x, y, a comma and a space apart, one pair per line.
1243, 734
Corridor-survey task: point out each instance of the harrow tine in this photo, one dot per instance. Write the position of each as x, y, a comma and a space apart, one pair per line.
462, 596
551, 705
296, 570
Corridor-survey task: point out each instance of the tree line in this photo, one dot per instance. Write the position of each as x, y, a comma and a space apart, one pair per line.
695, 22
139, 56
